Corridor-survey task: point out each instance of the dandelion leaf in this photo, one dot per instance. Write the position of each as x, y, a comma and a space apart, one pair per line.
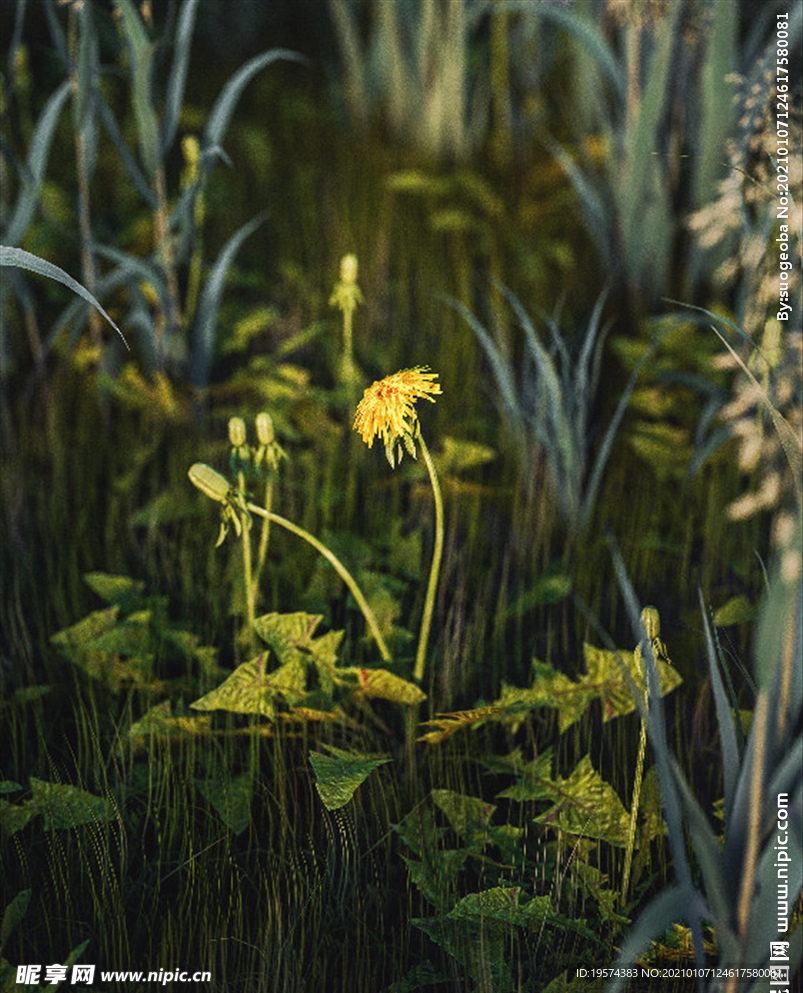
13, 914
74, 639
436, 874
446, 724
535, 782
64, 806
384, 685
161, 720
120, 590
246, 691
231, 799
606, 678
586, 806
549, 689
419, 832
339, 774
14, 817
468, 815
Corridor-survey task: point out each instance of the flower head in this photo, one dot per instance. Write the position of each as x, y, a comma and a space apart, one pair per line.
387, 408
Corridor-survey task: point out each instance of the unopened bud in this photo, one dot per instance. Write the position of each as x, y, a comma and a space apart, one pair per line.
237, 431
348, 270
209, 481
265, 433
651, 622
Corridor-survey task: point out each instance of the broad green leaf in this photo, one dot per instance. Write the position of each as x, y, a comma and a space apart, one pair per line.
73, 640
231, 799
384, 685
436, 874
549, 589
549, 689
479, 946
607, 680
246, 691
64, 806
737, 610
290, 636
9, 786
114, 589
338, 775
535, 782
14, 817
160, 720
586, 806
13, 914
419, 831
468, 815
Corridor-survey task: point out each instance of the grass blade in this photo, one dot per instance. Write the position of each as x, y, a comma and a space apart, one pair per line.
176, 84
33, 263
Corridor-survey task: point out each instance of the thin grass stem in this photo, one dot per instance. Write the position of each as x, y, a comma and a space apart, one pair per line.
434, 572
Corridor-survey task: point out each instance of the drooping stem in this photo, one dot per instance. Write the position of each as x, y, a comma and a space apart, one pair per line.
434, 572
343, 572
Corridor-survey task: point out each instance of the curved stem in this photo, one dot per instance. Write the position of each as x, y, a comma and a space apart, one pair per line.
434, 572
250, 588
330, 557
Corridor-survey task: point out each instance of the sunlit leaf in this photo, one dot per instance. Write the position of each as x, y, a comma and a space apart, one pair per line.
608, 682
586, 806
384, 685
161, 720
459, 455
246, 691
340, 773
737, 610
75, 638
447, 724
549, 689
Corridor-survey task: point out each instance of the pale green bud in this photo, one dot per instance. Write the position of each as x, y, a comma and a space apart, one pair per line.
237, 431
209, 481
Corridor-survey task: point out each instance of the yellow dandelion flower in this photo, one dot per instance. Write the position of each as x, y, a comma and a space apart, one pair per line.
387, 407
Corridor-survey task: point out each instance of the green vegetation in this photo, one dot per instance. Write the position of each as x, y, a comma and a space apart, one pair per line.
272, 710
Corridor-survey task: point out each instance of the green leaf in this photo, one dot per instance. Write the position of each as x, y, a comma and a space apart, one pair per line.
33, 263
339, 774
9, 786
115, 589
160, 720
737, 610
14, 817
142, 52
63, 806
549, 689
231, 799
13, 914
34, 172
247, 690
586, 806
73, 640
419, 831
384, 685
436, 874
608, 682
535, 783
468, 815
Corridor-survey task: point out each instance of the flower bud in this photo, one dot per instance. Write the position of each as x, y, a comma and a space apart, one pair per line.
209, 481
348, 270
237, 431
651, 622
265, 433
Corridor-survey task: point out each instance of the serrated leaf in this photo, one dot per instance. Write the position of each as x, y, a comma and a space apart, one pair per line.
447, 724
549, 689
436, 874
338, 775
63, 806
468, 815
231, 799
606, 678
586, 806
13, 914
419, 832
247, 690
535, 783
384, 685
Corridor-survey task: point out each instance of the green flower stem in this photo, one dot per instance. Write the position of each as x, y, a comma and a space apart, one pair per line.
250, 586
434, 572
265, 535
631, 835
330, 557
